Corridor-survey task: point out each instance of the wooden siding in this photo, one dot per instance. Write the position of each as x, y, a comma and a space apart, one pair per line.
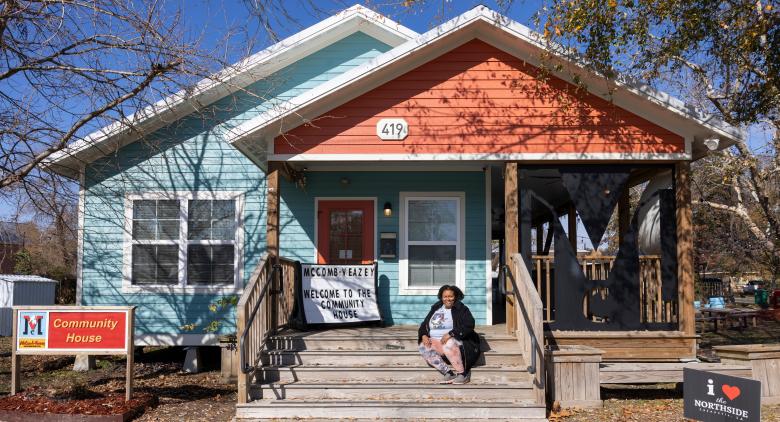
297, 221
478, 99
189, 155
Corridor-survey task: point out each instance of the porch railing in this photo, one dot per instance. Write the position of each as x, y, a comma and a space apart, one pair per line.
265, 306
652, 306
530, 325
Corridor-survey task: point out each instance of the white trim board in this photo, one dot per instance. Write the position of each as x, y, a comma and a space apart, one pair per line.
80, 239
160, 339
229, 80
488, 249
525, 156
181, 287
460, 244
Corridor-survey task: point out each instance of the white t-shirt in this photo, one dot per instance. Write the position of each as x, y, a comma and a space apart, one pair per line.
440, 323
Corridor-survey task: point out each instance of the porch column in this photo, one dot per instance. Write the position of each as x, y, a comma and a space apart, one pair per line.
682, 186
511, 235
272, 237
272, 211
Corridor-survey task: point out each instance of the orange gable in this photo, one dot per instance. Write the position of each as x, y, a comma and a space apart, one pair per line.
478, 99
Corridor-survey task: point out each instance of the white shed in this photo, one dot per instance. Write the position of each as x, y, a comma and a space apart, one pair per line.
22, 290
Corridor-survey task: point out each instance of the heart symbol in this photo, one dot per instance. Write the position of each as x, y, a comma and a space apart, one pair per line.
731, 392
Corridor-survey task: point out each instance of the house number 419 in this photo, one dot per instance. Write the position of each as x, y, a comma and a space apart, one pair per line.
392, 129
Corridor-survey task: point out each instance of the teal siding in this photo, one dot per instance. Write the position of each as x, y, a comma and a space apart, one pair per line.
297, 234
190, 155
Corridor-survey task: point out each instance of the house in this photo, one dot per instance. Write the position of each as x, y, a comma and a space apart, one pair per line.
357, 127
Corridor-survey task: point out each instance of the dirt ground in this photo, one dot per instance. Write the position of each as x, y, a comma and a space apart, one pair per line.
204, 396
182, 397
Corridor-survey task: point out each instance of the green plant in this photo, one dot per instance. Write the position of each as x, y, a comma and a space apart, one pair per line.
219, 308
23, 262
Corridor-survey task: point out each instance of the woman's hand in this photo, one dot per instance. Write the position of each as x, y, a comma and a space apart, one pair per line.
445, 338
426, 341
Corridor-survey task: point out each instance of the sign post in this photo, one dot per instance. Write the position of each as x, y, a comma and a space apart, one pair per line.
71, 330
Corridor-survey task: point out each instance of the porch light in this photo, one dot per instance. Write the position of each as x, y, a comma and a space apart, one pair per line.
388, 209
712, 143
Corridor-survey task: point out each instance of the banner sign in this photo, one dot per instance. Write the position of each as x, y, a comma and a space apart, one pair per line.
72, 331
337, 294
708, 396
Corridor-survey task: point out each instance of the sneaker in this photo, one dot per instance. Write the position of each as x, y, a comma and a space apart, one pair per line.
448, 378
462, 379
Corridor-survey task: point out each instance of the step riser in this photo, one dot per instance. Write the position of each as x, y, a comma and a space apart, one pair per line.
399, 412
351, 375
373, 360
296, 343
415, 393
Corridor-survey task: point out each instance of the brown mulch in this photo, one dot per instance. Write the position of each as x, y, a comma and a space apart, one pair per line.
158, 372
35, 400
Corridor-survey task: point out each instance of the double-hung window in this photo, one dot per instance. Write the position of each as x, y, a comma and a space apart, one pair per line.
186, 241
432, 242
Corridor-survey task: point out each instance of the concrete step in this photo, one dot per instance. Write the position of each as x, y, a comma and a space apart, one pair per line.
357, 374
373, 358
375, 341
392, 391
521, 410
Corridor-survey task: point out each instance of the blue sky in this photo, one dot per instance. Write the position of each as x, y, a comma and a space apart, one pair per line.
228, 29
209, 20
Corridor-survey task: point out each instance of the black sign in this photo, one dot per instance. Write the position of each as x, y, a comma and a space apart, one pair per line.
714, 397
388, 245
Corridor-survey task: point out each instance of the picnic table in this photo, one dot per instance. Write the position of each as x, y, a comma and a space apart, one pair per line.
727, 315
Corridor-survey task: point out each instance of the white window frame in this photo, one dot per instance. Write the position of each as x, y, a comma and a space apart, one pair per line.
404, 288
183, 242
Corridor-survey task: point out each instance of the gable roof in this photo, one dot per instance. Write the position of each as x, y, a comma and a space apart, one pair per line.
410, 50
70, 160
252, 136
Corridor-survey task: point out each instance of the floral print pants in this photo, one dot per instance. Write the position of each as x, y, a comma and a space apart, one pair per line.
433, 355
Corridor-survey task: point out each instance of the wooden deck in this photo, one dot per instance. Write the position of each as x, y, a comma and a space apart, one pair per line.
631, 346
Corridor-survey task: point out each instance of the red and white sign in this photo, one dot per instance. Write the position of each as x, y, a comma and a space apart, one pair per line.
103, 331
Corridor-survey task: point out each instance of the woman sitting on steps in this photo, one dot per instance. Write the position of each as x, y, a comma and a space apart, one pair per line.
447, 336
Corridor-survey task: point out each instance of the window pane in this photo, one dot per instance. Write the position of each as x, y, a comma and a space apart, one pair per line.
209, 220
168, 229
199, 230
223, 209
199, 210
210, 265
431, 265
224, 230
155, 220
433, 220
168, 209
144, 209
144, 229
198, 264
155, 264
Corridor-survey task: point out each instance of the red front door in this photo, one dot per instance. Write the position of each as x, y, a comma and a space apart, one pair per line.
345, 232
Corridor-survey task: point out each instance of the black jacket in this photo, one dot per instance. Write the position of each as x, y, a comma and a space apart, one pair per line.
462, 329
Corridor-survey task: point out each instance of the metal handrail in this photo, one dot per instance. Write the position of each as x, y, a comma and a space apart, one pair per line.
245, 367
